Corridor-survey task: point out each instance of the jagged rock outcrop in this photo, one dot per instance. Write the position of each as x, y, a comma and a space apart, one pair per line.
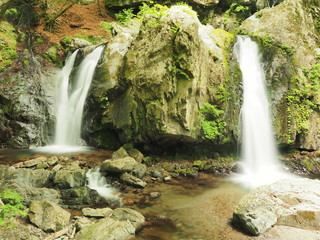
26, 108
161, 79
292, 202
290, 52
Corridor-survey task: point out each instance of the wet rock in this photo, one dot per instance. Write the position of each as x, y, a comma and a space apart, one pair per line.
155, 195
73, 44
127, 214
167, 179
57, 167
136, 154
118, 165
52, 160
293, 202
83, 222
77, 196
139, 170
43, 165
97, 213
106, 228
131, 180
157, 174
120, 153
48, 216
70, 178
31, 163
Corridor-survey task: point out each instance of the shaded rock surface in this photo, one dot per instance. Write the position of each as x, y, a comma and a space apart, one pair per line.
132, 180
48, 216
293, 202
120, 226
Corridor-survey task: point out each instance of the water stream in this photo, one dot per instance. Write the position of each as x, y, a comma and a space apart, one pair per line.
70, 103
259, 160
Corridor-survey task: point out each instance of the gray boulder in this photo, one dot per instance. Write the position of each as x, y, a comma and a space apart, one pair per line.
48, 216
136, 154
120, 153
124, 214
70, 178
97, 212
139, 170
107, 228
119, 165
293, 202
131, 180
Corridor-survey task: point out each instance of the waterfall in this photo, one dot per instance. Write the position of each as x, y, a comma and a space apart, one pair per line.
99, 183
70, 103
259, 156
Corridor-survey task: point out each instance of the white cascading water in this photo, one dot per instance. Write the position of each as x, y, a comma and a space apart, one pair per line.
99, 183
71, 102
259, 161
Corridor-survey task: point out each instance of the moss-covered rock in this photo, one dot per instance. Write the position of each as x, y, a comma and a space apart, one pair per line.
153, 91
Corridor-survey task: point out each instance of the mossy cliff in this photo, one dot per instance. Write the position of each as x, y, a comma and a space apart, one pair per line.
289, 40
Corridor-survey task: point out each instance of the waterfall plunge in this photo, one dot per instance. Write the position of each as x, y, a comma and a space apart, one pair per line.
259, 162
71, 102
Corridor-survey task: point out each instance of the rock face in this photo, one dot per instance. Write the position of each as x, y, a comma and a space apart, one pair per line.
291, 202
48, 216
290, 53
163, 83
27, 108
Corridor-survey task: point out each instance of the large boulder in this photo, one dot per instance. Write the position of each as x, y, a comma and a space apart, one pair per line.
132, 180
121, 224
66, 178
168, 72
48, 216
30, 184
292, 202
107, 228
119, 165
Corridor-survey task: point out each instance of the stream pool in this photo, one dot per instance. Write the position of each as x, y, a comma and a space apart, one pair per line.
192, 209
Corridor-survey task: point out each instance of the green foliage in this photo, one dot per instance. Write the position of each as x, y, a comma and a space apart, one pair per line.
303, 98
11, 12
211, 122
92, 39
125, 15
53, 56
13, 207
200, 164
157, 10
107, 26
8, 43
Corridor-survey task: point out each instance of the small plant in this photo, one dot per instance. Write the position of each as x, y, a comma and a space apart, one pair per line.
125, 16
212, 124
13, 207
107, 26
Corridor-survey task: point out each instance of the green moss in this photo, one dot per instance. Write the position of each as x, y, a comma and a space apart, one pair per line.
8, 44
53, 56
303, 98
200, 164
212, 124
